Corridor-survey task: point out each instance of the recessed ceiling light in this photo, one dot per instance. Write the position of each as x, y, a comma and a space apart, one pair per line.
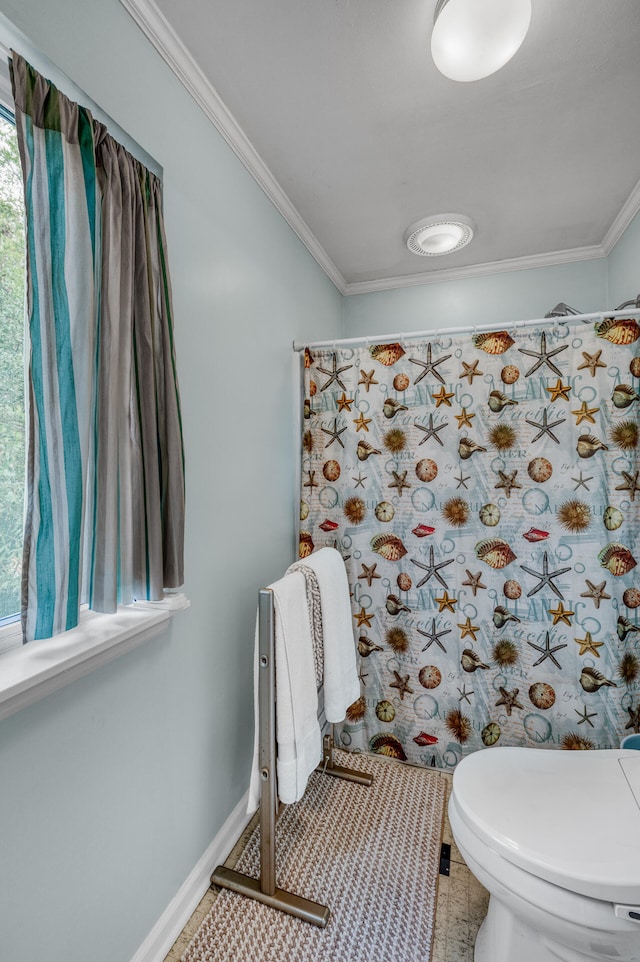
439, 234
471, 39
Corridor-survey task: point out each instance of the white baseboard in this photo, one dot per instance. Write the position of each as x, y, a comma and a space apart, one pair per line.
179, 910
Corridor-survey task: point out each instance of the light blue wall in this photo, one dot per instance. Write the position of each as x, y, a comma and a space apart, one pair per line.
112, 788
494, 298
624, 265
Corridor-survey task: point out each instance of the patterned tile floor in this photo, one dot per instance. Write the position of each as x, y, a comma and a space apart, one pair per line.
461, 907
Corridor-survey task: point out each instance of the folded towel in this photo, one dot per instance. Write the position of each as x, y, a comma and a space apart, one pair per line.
299, 742
341, 682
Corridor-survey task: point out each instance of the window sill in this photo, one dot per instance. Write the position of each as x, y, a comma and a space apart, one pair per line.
33, 671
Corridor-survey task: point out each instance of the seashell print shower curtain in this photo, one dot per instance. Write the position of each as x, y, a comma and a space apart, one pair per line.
484, 492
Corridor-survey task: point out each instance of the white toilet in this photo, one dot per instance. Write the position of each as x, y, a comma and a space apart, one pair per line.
554, 836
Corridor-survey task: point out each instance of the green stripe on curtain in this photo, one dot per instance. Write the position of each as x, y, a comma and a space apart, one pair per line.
105, 477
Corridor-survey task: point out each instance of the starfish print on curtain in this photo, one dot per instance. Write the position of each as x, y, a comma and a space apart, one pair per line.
484, 492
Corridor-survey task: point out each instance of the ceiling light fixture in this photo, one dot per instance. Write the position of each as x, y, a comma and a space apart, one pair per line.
471, 39
439, 234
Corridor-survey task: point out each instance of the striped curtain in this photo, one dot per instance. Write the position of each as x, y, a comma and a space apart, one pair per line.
105, 466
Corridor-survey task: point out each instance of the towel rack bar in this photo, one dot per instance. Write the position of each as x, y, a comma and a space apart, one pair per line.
302, 908
267, 756
339, 771
264, 889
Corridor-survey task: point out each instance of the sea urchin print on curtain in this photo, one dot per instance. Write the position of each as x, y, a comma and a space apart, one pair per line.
484, 492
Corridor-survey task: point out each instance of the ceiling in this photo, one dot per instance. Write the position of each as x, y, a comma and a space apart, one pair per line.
339, 111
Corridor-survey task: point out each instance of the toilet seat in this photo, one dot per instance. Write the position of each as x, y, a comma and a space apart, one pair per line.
570, 818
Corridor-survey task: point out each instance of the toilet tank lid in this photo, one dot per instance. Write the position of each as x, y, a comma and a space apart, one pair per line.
572, 818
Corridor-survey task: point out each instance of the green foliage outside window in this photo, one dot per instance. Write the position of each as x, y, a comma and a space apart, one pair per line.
12, 429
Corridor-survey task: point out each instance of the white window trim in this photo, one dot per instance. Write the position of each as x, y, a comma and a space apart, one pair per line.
6, 95
10, 632
33, 671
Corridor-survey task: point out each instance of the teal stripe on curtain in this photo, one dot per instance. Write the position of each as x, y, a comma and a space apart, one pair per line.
105, 477
66, 388
44, 558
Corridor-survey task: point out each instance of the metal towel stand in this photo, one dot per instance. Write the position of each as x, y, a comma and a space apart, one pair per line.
265, 889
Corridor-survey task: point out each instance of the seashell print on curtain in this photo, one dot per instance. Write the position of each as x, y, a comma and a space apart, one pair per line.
484, 492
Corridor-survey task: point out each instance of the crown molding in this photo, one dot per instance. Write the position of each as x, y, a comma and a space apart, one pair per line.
6, 94
549, 259
626, 214
163, 37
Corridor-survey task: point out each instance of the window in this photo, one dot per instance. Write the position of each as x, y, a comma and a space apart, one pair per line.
32, 671
12, 427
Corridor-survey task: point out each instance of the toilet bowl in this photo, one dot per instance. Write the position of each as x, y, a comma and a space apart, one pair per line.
554, 837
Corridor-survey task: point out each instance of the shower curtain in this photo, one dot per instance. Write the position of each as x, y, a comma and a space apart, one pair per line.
484, 492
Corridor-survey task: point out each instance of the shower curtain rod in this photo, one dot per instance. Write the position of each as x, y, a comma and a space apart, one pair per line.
469, 329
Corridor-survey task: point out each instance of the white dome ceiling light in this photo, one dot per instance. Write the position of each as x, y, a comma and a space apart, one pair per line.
471, 39
439, 234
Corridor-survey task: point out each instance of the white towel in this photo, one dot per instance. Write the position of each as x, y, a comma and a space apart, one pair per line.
341, 682
299, 742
